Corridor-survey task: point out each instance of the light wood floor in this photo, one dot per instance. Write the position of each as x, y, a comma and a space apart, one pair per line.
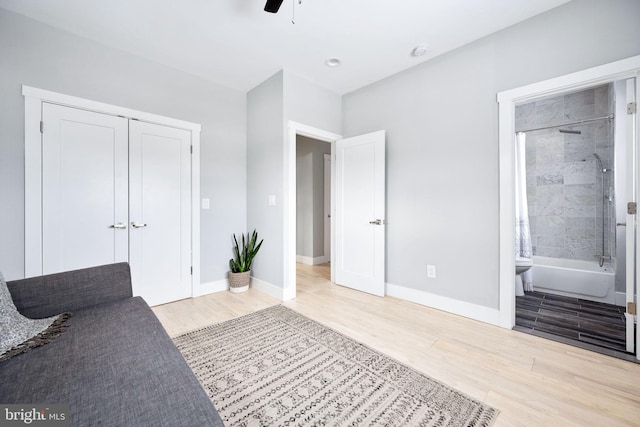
532, 381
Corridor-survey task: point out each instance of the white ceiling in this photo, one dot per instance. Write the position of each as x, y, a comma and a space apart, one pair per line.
236, 44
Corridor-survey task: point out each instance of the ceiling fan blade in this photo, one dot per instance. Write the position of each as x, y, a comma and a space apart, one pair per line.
272, 6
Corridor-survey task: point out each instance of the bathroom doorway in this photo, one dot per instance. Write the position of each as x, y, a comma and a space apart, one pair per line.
580, 160
575, 169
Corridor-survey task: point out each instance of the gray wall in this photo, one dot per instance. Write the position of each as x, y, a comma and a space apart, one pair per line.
441, 119
282, 98
37, 55
265, 160
310, 196
564, 179
310, 104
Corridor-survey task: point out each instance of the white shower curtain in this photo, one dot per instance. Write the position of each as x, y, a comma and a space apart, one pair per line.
523, 231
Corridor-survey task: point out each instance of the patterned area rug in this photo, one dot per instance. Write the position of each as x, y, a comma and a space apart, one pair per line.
276, 367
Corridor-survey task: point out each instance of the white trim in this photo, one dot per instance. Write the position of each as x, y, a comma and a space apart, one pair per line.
314, 133
288, 294
506, 111
99, 107
606, 73
267, 288
195, 209
289, 202
326, 207
32, 187
450, 305
211, 287
34, 98
311, 260
507, 263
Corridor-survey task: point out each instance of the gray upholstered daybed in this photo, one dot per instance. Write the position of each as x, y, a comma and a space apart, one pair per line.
113, 365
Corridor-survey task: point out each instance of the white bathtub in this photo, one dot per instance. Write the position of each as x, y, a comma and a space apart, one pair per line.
574, 278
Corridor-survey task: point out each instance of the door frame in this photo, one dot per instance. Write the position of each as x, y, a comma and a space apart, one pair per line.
326, 208
33, 99
603, 74
289, 247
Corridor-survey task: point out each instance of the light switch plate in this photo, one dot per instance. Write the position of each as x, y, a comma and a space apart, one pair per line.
431, 271
206, 204
272, 199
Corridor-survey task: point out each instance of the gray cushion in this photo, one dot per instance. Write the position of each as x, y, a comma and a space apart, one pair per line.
114, 365
45, 296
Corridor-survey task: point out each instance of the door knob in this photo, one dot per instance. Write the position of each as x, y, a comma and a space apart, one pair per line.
138, 225
119, 225
377, 222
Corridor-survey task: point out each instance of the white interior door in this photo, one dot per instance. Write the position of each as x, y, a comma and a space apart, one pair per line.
360, 213
84, 189
327, 207
160, 212
631, 229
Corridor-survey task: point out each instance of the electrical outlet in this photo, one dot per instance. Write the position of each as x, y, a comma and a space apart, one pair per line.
431, 271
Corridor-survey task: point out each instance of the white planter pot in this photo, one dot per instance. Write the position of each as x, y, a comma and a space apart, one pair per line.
239, 282
239, 289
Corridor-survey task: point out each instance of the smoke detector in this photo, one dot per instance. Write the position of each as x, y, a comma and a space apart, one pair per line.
420, 50
333, 62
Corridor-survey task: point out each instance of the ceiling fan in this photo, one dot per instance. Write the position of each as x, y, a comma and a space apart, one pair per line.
272, 6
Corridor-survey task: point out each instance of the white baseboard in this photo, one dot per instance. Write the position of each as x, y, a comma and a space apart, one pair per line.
450, 305
259, 285
267, 288
211, 287
312, 261
288, 294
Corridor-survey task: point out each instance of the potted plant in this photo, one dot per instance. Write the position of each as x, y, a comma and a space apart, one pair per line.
241, 263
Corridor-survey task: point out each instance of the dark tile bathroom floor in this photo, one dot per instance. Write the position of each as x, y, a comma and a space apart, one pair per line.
592, 325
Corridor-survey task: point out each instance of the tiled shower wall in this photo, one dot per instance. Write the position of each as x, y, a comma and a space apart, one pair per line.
564, 182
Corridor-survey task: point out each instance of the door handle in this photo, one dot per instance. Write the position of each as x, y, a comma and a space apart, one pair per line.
377, 222
119, 225
138, 225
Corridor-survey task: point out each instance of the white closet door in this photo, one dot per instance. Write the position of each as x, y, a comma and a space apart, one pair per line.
84, 189
160, 212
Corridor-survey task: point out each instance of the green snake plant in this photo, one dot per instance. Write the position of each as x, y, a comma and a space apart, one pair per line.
243, 257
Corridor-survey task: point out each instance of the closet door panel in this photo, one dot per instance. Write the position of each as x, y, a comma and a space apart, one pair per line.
84, 189
160, 212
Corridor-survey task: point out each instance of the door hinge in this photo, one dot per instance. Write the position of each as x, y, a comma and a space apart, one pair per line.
632, 208
191, 148
192, 271
41, 126
632, 108
631, 308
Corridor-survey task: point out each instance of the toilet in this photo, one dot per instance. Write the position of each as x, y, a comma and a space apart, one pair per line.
522, 265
